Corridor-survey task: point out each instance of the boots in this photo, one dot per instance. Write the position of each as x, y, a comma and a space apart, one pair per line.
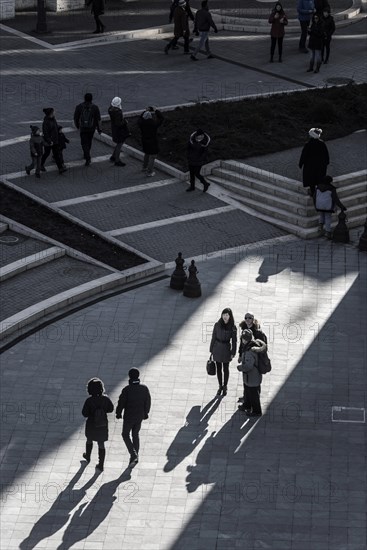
318, 65
101, 457
224, 392
310, 68
219, 390
88, 450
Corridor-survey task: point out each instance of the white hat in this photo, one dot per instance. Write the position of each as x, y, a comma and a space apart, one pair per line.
116, 102
315, 133
147, 115
181, 2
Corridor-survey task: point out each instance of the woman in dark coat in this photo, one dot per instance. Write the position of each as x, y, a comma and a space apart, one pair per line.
314, 160
278, 21
95, 410
97, 10
223, 347
315, 42
149, 122
119, 129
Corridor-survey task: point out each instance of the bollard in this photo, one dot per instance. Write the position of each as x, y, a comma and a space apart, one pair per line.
192, 287
363, 239
341, 231
178, 277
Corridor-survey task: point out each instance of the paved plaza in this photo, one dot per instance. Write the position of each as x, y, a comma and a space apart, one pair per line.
209, 477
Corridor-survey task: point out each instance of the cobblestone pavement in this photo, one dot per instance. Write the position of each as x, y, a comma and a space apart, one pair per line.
14, 246
208, 476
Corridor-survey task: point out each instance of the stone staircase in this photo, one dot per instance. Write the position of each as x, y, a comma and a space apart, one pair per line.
284, 202
256, 20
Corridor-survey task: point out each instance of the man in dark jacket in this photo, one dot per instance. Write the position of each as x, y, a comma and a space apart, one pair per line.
51, 138
305, 10
135, 401
181, 28
149, 123
97, 10
203, 22
197, 152
87, 119
314, 160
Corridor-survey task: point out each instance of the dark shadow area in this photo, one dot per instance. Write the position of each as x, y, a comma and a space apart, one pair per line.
90, 515
60, 511
191, 434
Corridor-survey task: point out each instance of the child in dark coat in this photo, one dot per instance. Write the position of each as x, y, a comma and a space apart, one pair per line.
325, 199
36, 144
63, 140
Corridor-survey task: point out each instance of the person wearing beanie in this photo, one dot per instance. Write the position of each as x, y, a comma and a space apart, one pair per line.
250, 323
181, 27
95, 410
87, 119
278, 21
97, 10
326, 199
329, 29
51, 138
314, 160
119, 129
149, 122
223, 347
36, 145
135, 401
197, 153
251, 375
203, 22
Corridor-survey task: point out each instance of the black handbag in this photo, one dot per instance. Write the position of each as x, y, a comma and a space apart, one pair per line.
211, 367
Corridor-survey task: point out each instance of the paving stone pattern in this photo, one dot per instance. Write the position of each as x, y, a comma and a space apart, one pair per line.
45, 281
11, 251
201, 236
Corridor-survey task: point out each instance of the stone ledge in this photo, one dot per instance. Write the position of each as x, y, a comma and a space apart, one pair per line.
28, 262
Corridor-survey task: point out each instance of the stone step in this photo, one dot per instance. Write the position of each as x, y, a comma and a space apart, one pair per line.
3, 227
263, 175
29, 262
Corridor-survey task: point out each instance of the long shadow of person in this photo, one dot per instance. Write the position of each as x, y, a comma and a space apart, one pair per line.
189, 436
59, 513
90, 515
219, 451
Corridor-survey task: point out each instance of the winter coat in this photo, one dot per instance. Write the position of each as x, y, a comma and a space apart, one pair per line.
181, 22
97, 7
119, 127
90, 406
223, 344
256, 331
314, 160
50, 131
174, 5
277, 27
63, 140
326, 197
36, 144
149, 132
305, 9
135, 401
95, 113
197, 152
321, 5
203, 21
329, 26
251, 375
317, 35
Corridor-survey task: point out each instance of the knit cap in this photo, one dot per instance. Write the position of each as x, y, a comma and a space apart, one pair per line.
315, 133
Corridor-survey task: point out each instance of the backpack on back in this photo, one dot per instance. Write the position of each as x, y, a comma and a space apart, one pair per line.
86, 120
100, 418
263, 362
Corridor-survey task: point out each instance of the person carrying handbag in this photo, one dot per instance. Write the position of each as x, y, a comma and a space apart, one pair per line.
223, 347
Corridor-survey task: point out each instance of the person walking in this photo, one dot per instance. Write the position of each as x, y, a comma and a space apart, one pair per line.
305, 9
250, 323
314, 160
278, 21
325, 200
97, 10
135, 401
87, 120
329, 29
197, 153
95, 410
251, 375
181, 28
315, 42
203, 22
119, 129
149, 122
51, 138
223, 347
36, 144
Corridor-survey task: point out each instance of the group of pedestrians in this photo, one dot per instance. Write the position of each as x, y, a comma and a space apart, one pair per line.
223, 348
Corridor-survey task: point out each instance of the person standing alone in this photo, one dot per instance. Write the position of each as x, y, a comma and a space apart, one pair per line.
87, 120
278, 21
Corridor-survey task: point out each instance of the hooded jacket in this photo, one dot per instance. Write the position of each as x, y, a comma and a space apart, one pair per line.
197, 151
252, 377
326, 198
36, 144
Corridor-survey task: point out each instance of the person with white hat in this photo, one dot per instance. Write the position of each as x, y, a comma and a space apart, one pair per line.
119, 129
314, 160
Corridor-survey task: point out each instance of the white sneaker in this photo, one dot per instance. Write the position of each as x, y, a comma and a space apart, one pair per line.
150, 174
